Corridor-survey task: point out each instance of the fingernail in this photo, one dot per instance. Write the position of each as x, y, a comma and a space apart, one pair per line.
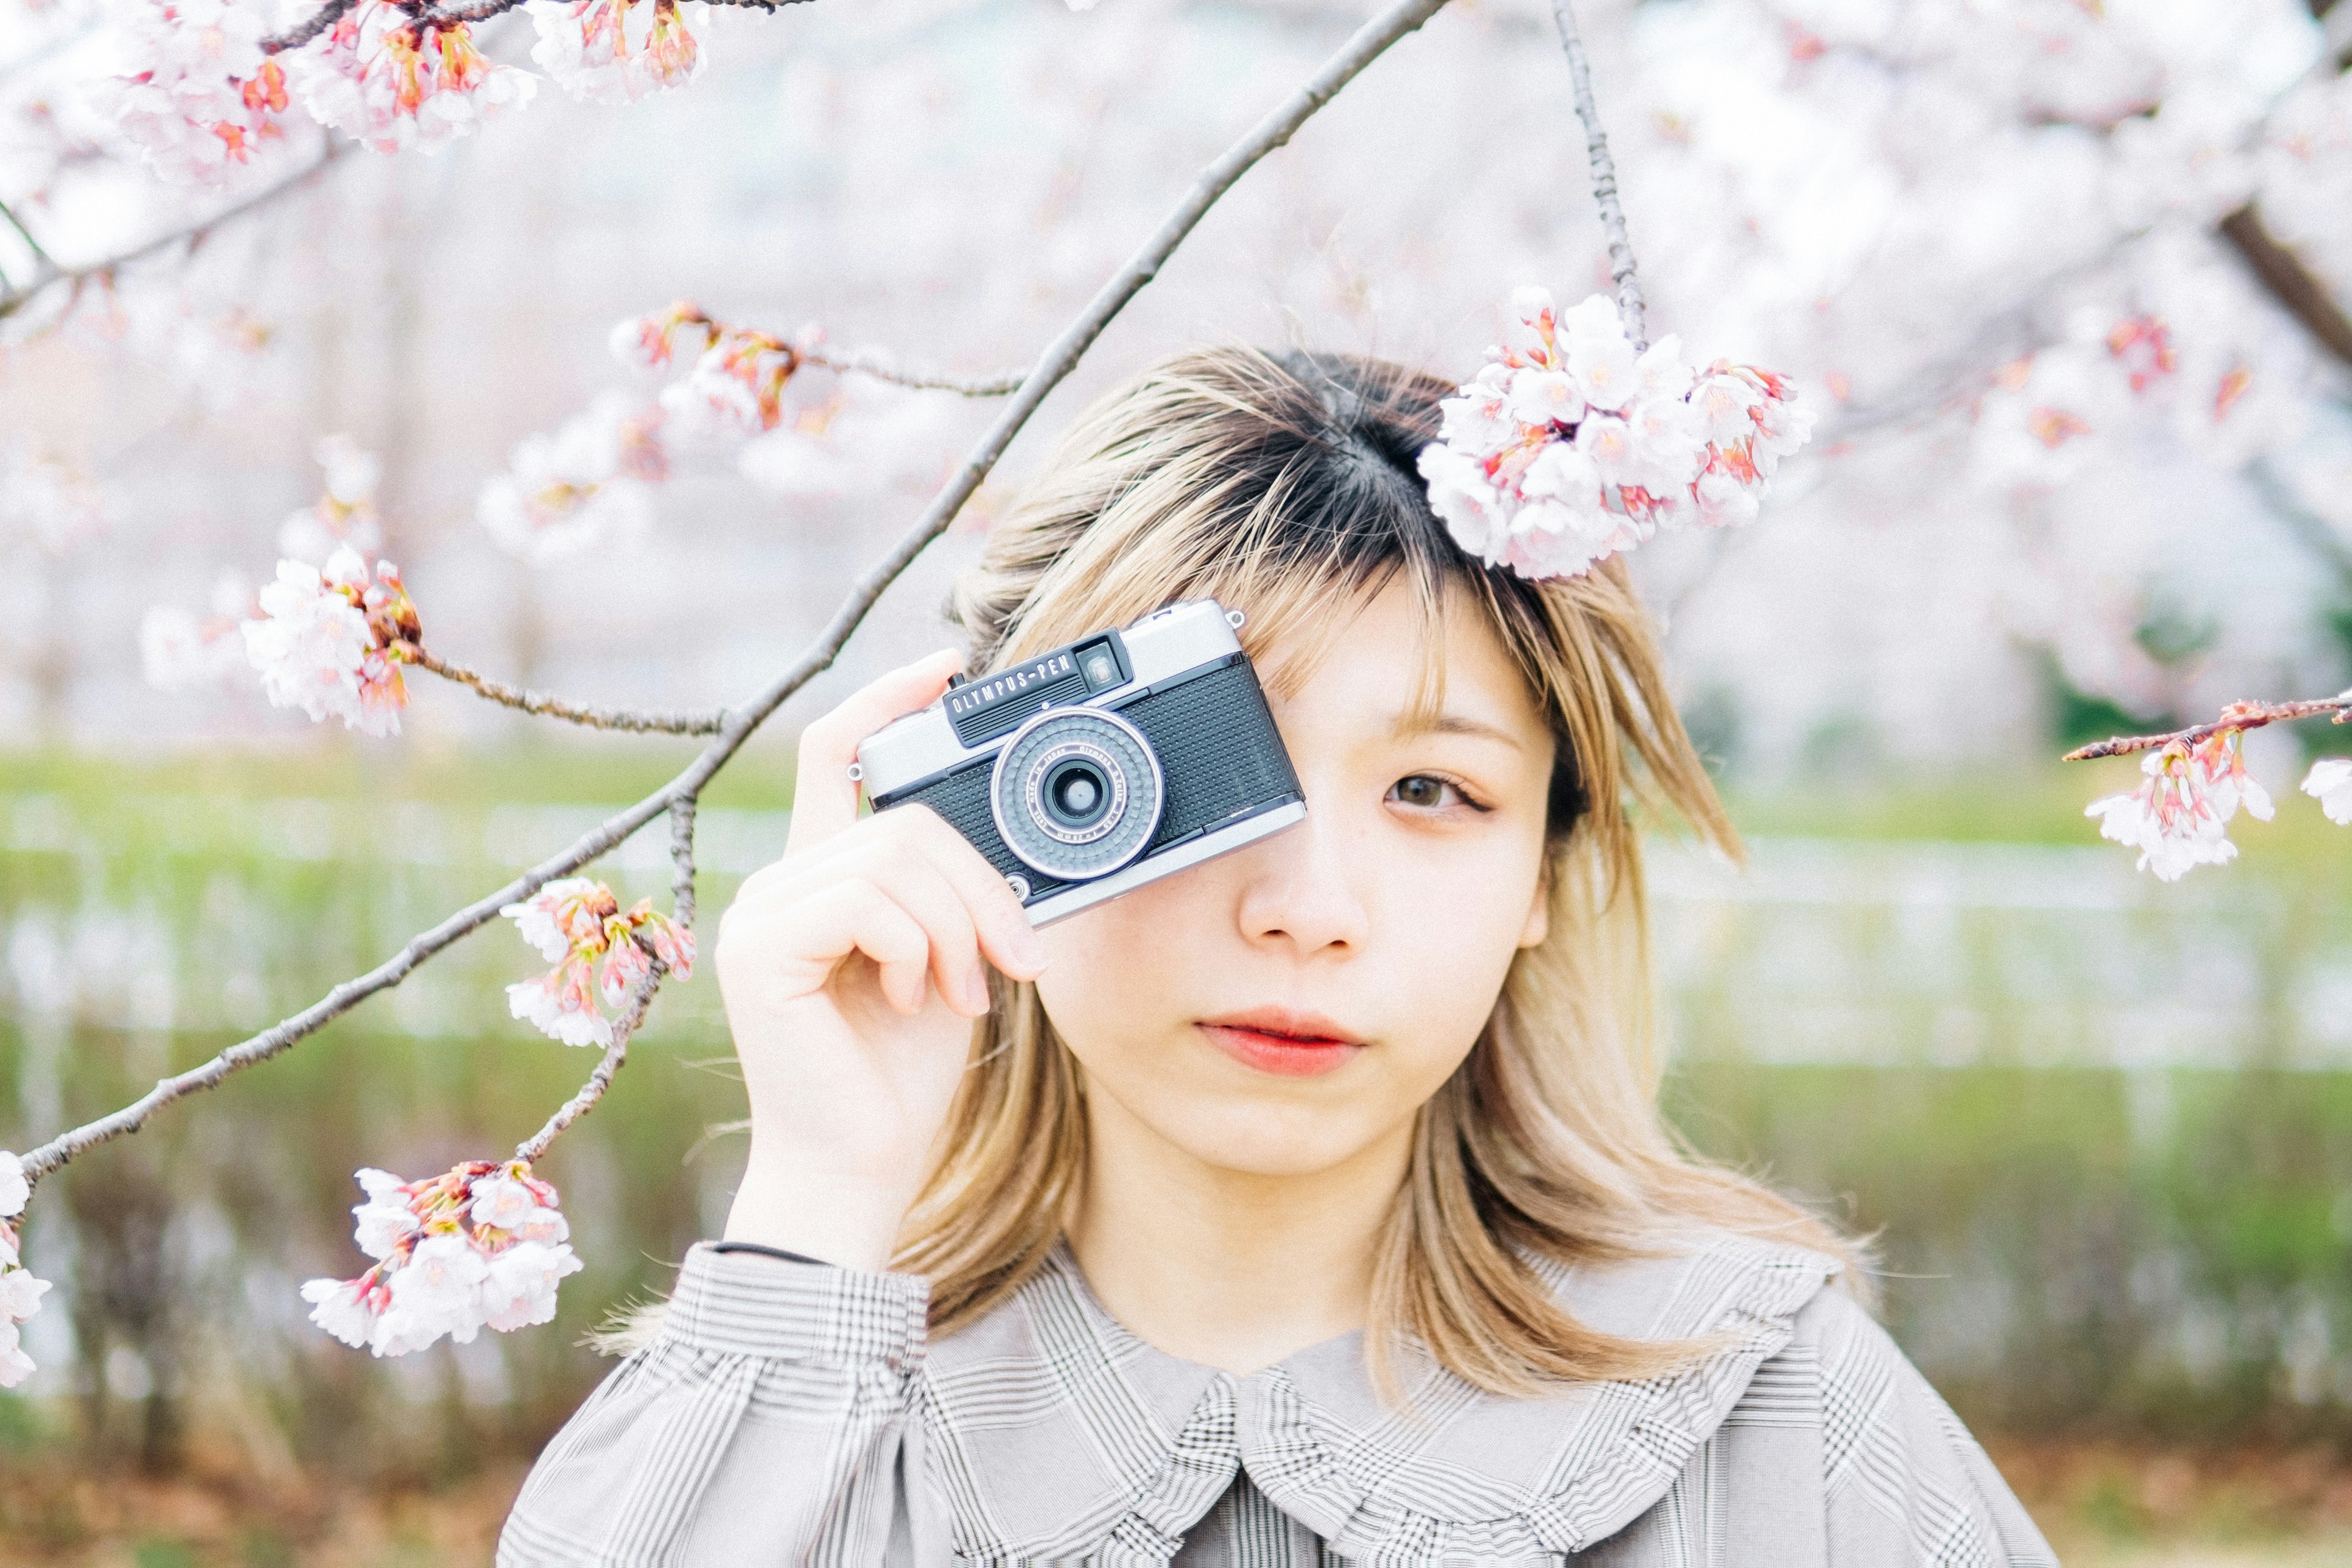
1028, 951
975, 991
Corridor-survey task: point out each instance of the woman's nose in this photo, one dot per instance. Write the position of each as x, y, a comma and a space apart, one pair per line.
1302, 887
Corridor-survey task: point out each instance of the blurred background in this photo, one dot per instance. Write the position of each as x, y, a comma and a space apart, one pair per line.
2066, 282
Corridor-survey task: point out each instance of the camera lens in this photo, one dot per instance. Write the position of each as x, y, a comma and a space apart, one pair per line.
1076, 793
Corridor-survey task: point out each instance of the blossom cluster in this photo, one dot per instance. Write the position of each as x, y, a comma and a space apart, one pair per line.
330, 641
20, 1293
381, 77
587, 48
1572, 445
736, 383
565, 491
2179, 817
481, 1244
204, 98
204, 95
600, 951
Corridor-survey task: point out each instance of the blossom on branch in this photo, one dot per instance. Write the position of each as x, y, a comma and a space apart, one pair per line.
736, 387
2179, 819
586, 47
379, 78
600, 951
20, 1293
649, 342
483, 1243
202, 99
566, 491
1570, 446
331, 641
2329, 781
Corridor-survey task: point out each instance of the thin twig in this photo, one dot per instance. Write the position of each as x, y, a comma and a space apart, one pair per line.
483, 10
1273, 131
874, 362
572, 712
14, 299
1604, 180
615, 1056
308, 27
40, 257
2239, 716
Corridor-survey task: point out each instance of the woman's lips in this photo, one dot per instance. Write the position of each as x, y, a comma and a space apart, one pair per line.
1285, 1044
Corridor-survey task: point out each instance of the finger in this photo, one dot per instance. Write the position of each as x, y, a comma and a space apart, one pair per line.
857, 918
905, 871
824, 798
997, 917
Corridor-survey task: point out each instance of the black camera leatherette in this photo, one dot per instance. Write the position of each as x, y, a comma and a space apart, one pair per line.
1218, 753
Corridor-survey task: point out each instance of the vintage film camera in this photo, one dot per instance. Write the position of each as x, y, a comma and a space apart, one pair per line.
1086, 771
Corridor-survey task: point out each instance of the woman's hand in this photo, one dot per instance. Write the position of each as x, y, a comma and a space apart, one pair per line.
852, 969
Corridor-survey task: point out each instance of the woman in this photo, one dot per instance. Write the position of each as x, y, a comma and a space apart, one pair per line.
1309, 1205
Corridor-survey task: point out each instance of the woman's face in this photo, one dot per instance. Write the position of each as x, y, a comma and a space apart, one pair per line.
1291, 1004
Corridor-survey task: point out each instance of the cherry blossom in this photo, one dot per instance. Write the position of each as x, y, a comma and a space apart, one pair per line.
735, 387
332, 642
2329, 781
379, 78
1570, 446
181, 651
344, 516
649, 342
202, 99
483, 1243
600, 951
585, 45
20, 1293
2178, 818
47, 500
591, 478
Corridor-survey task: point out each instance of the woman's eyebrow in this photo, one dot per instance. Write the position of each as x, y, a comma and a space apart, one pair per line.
1409, 723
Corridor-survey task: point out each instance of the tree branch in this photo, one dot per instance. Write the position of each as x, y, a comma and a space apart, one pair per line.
14, 299
1277, 129
1604, 180
308, 27
2240, 716
555, 707
878, 364
2289, 281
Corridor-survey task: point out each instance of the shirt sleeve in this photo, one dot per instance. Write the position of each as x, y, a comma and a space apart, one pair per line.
1906, 1482
772, 1419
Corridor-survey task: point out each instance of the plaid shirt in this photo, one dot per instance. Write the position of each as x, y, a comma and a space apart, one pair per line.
794, 1414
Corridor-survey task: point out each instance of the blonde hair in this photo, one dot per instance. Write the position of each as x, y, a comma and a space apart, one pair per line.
1284, 485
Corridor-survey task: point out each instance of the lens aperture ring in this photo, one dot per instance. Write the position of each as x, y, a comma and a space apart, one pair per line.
1076, 793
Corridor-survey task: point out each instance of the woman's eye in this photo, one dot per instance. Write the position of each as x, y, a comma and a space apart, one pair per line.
1424, 792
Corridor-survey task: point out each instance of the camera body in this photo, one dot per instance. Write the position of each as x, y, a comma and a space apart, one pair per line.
1087, 771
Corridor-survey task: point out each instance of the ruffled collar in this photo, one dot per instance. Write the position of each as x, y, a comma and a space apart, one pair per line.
1058, 1434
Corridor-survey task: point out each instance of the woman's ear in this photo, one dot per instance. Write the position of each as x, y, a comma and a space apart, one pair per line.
1539, 924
